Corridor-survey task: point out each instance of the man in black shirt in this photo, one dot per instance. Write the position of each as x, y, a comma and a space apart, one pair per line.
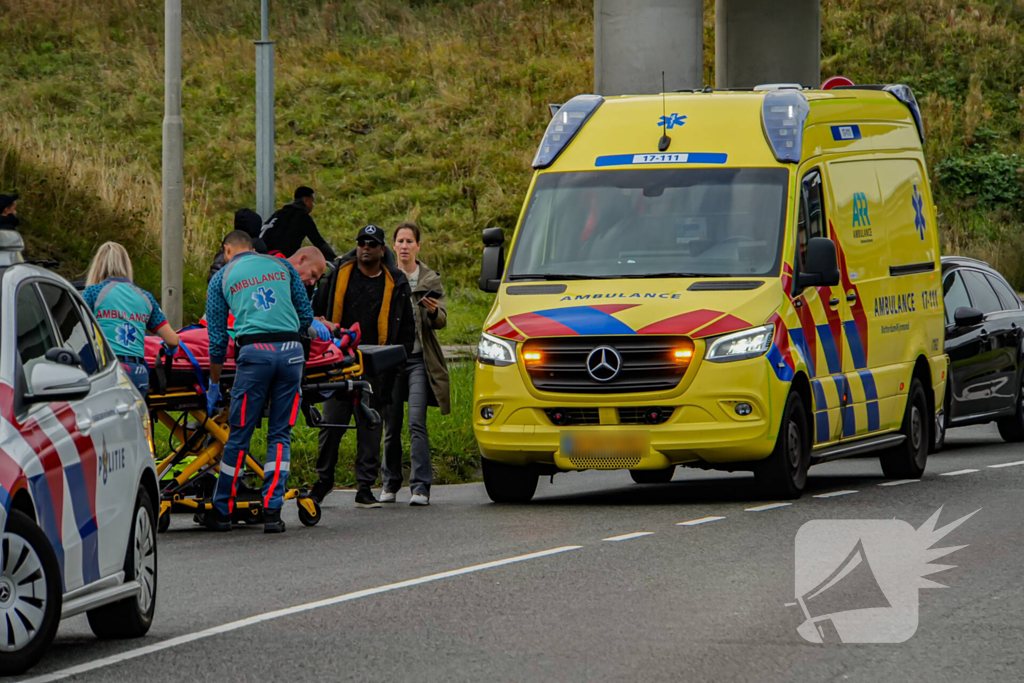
363, 289
8, 212
292, 223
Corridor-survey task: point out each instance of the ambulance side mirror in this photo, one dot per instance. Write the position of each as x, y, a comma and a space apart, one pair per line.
821, 269
492, 266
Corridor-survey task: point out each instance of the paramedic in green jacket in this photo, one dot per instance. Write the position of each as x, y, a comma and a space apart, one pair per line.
271, 309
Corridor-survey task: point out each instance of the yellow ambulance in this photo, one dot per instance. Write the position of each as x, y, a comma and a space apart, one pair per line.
724, 280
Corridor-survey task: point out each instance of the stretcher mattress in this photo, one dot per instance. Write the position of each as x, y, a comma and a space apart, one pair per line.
197, 341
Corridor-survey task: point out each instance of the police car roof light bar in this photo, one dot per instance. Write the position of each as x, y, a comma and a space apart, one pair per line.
568, 121
783, 115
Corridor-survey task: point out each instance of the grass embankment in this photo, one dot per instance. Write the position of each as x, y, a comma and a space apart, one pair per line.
398, 109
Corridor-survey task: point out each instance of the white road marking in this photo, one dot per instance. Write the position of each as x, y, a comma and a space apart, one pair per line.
789, 604
899, 482
1008, 464
286, 612
833, 494
953, 474
626, 537
702, 520
771, 506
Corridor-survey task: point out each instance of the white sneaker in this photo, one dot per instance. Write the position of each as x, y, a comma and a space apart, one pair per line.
386, 496
419, 499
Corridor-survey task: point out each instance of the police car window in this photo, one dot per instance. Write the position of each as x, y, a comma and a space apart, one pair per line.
1009, 300
35, 336
954, 295
73, 331
652, 223
982, 294
811, 216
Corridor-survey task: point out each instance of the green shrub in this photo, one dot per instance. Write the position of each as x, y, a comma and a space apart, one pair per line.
989, 180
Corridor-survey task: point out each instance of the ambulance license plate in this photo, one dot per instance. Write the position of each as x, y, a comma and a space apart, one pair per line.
605, 444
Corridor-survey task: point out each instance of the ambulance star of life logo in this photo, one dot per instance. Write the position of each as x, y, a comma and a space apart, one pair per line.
918, 203
857, 581
671, 121
264, 298
126, 335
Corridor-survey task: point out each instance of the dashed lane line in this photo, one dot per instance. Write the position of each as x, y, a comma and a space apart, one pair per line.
899, 482
771, 506
956, 473
1008, 464
702, 520
286, 612
626, 537
834, 494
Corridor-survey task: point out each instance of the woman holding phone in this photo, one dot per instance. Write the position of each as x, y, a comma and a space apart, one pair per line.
423, 380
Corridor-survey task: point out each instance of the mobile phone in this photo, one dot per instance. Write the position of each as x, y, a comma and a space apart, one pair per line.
432, 294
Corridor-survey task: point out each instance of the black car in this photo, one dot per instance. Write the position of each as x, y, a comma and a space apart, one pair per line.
985, 345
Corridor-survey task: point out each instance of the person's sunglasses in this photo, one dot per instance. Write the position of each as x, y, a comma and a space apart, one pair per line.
363, 242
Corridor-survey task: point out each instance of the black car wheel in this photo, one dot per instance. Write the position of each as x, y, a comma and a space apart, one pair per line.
942, 422
509, 483
908, 460
784, 473
1012, 428
653, 476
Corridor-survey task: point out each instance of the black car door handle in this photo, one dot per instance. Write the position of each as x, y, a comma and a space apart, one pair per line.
983, 334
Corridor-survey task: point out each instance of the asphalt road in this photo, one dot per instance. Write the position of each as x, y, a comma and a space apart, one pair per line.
704, 602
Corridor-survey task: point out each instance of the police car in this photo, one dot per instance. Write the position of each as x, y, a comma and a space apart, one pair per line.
77, 480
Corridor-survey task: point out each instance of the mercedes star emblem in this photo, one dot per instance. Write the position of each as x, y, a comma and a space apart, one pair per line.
604, 363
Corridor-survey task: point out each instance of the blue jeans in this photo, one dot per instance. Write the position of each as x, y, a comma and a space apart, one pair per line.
265, 371
138, 373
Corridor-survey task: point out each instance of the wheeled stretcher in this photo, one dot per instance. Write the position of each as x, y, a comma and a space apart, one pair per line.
177, 399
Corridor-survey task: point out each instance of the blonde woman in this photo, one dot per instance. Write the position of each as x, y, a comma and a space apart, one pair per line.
124, 312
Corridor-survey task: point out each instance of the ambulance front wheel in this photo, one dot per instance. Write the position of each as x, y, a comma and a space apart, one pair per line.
509, 483
309, 518
653, 476
784, 473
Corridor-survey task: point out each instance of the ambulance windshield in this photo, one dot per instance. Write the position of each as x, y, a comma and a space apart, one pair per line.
653, 223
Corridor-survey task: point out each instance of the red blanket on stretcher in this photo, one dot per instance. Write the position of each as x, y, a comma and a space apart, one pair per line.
198, 342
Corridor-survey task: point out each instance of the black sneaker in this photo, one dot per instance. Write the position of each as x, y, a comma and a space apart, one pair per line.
215, 521
365, 499
272, 523
320, 490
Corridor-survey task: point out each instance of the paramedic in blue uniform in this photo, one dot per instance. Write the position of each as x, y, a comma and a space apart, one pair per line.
269, 302
124, 311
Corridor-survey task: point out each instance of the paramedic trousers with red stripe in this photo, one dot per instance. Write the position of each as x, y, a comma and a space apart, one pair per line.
265, 372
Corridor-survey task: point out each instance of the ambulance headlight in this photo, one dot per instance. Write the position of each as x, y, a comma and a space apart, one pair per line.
741, 345
495, 351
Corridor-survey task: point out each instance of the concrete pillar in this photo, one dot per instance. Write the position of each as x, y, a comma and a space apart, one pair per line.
635, 40
767, 41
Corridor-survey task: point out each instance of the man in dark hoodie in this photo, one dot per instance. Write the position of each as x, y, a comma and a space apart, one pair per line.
248, 221
292, 223
8, 212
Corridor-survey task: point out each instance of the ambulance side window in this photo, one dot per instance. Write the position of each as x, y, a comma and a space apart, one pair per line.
811, 216
35, 335
74, 333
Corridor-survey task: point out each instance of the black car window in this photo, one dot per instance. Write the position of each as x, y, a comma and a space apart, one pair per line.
811, 214
954, 295
74, 332
35, 336
1009, 300
982, 294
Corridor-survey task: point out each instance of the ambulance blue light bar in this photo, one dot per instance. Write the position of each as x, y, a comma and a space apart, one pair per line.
783, 115
567, 121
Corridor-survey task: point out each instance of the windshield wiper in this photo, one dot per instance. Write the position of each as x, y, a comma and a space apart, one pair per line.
668, 275
555, 276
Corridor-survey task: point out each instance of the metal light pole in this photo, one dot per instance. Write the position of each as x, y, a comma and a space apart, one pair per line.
264, 117
173, 173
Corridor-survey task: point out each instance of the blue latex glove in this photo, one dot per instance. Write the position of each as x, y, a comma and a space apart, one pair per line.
322, 332
212, 398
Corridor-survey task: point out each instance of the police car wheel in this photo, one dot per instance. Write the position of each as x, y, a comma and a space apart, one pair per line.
509, 483
653, 476
784, 473
908, 460
30, 595
1012, 428
132, 617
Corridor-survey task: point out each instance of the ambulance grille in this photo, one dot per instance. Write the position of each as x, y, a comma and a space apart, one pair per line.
605, 463
648, 364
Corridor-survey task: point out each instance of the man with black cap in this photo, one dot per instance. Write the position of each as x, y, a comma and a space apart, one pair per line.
292, 223
363, 288
8, 212
249, 222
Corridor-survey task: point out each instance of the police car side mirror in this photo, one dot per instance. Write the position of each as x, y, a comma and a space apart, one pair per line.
821, 269
63, 357
965, 316
492, 266
57, 382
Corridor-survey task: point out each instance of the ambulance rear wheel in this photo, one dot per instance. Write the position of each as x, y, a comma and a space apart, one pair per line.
509, 483
653, 476
308, 519
30, 594
908, 460
783, 474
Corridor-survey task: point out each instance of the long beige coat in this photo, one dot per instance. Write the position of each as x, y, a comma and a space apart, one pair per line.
433, 356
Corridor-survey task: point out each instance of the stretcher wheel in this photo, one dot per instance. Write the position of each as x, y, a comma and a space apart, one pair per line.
164, 522
305, 516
